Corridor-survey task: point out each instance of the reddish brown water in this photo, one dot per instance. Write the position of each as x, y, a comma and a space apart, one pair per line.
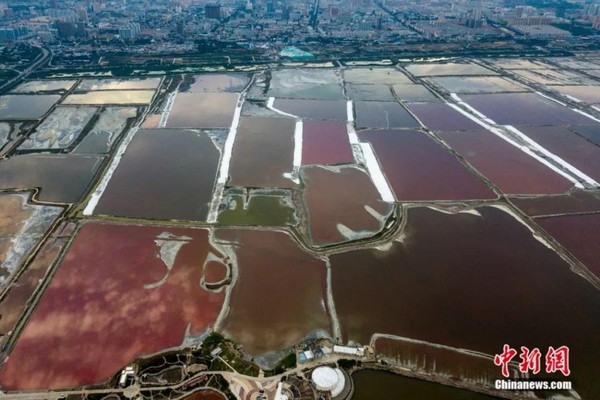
14, 302
331, 198
442, 117
417, 168
576, 202
202, 110
378, 114
471, 282
314, 109
579, 234
214, 272
572, 148
62, 179
524, 109
436, 360
325, 142
506, 166
370, 385
206, 394
263, 152
97, 316
279, 295
164, 174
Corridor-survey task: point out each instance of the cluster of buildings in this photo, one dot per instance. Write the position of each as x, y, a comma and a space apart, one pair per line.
125, 25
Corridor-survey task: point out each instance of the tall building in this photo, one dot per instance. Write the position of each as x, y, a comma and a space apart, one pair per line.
130, 31
68, 29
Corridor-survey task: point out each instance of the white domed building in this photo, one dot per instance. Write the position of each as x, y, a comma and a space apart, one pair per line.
327, 379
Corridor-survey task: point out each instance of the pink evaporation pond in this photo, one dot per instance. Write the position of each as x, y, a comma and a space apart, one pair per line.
509, 168
113, 300
442, 117
572, 148
524, 109
325, 142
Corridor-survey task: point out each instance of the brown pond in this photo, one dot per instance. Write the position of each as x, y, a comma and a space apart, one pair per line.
572, 148
417, 168
370, 385
164, 174
509, 168
62, 179
279, 294
263, 151
205, 394
579, 234
471, 282
578, 201
342, 205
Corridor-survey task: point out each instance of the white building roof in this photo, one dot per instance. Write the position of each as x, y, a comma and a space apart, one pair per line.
279, 395
354, 351
325, 378
339, 387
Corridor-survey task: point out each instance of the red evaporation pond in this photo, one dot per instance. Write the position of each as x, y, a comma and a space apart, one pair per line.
579, 234
215, 272
342, 204
279, 294
578, 201
263, 152
572, 148
472, 282
206, 394
524, 109
16, 298
325, 142
112, 301
419, 169
442, 117
509, 168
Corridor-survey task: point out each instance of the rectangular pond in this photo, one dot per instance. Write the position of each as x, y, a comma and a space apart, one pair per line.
164, 174
417, 168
